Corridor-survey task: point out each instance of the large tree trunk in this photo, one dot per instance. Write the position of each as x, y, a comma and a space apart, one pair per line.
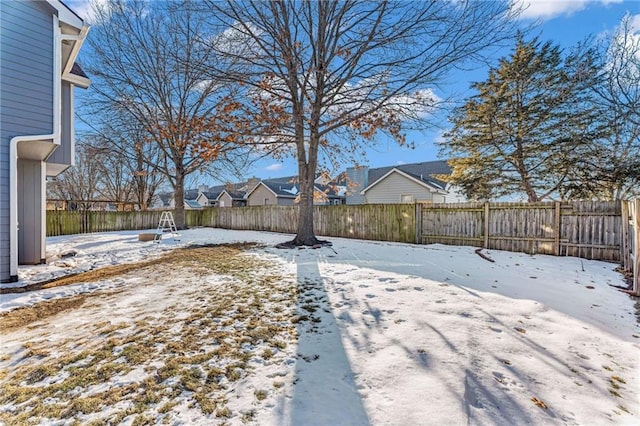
305, 235
178, 197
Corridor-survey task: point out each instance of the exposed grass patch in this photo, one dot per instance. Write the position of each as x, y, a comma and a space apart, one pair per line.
24, 316
194, 357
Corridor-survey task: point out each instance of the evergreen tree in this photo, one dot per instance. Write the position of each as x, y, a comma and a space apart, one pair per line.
527, 128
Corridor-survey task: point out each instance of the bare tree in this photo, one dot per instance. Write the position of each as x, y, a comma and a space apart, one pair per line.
615, 160
147, 63
328, 76
80, 184
129, 168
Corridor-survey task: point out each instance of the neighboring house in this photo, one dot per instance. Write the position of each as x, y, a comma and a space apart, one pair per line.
398, 186
39, 43
207, 198
329, 195
273, 193
189, 195
406, 183
192, 205
229, 198
286, 193
162, 201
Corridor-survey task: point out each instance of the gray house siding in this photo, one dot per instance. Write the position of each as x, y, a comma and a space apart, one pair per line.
391, 189
26, 87
225, 200
357, 180
26, 49
64, 153
30, 187
261, 196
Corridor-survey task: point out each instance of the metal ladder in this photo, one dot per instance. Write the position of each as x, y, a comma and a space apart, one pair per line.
166, 224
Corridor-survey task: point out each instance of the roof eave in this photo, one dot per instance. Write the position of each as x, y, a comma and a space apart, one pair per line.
66, 15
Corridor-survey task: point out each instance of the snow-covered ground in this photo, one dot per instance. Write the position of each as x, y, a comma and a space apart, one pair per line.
400, 334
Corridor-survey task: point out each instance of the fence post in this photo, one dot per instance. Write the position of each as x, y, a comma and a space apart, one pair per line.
418, 223
556, 229
625, 254
486, 225
636, 248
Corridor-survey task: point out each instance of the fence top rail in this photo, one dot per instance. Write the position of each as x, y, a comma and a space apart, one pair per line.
583, 206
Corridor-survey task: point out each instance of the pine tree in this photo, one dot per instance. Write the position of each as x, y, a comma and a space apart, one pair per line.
525, 130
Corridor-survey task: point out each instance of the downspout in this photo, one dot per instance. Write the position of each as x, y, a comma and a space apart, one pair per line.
55, 137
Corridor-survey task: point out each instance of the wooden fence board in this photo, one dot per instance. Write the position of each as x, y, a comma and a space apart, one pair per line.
585, 229
594, 230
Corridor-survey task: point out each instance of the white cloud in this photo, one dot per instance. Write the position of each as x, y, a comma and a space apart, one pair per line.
239, 40
549, 9
274, 167
634, 23
87, 9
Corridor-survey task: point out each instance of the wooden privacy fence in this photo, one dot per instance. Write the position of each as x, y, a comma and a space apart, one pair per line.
594, 230
383, 222
584, 229
60, 222
631, 244
602, 230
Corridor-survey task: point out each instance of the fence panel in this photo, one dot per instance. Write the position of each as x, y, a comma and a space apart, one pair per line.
585, 229
60, 222
593, 230
453, 224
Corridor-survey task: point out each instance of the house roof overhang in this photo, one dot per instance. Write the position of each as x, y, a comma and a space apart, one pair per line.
73, 32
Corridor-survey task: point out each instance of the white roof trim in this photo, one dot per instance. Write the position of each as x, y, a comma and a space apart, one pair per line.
66, 15
77, 80
408, 176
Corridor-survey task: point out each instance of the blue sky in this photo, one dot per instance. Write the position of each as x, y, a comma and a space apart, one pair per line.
565, 22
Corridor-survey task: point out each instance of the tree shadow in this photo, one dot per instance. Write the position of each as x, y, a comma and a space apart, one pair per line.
324, 389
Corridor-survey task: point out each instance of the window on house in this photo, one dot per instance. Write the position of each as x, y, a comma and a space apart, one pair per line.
406, 198
266, 201
221, 203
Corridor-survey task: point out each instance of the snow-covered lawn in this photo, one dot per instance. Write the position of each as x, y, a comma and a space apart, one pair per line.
361, 333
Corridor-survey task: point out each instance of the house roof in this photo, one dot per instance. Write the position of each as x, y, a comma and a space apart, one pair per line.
191, 194
235, 195
279, 188
211, 195
422, 171
165, 198
282, 189
66, 14
76, 69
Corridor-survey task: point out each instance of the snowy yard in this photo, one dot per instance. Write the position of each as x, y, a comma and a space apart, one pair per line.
361, 333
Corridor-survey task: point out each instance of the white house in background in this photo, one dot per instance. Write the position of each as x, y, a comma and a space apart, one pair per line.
40, 41
406, 183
